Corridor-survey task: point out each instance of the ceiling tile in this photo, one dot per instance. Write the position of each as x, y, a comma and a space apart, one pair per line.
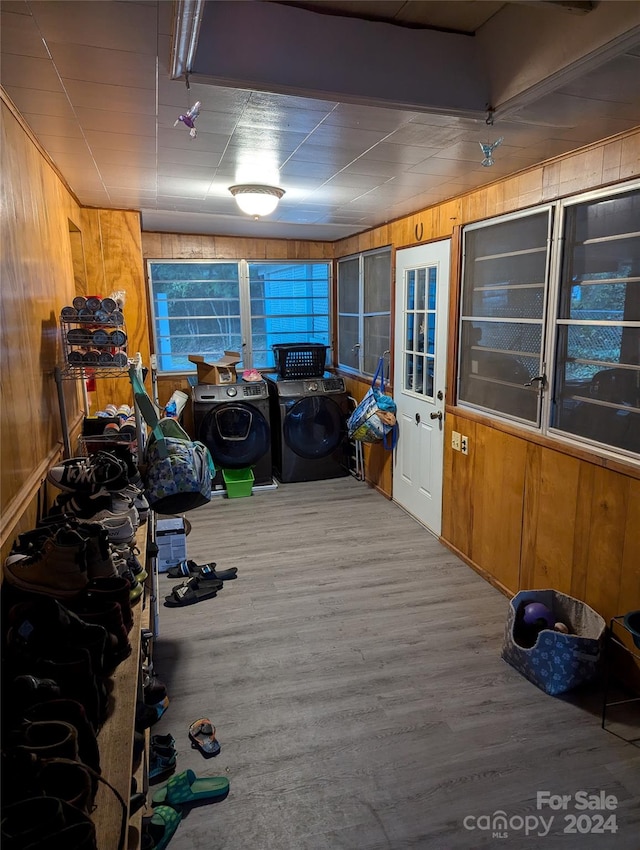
120, 141
56, 144
37, 102
54, 125
117, 26
129, 123
115, 98
123, 177
19, 35
130, 159
99, 65
30, 72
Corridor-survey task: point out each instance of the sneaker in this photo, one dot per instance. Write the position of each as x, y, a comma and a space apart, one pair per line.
100, 471
120, 529
98, 508
138, 499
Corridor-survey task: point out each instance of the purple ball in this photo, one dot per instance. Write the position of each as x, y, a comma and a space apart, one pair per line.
537, 614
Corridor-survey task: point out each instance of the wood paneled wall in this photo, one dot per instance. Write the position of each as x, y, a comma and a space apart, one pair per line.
37, 279
113, 252
527, 515
52, 250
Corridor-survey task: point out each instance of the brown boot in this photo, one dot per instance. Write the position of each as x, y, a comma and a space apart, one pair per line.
59, 569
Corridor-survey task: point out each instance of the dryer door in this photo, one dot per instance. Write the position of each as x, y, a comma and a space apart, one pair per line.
313, 427
236, 434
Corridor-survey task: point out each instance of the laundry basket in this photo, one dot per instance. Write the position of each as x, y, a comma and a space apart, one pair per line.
300, 360
557, 662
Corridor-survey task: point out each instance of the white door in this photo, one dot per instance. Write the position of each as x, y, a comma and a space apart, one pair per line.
422, 287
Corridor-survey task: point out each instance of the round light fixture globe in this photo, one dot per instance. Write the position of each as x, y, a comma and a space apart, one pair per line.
256, 200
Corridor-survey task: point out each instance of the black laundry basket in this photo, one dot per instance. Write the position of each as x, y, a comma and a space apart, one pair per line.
296, 360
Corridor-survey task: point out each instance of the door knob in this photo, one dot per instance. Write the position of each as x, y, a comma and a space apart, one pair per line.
417, 418
437, 415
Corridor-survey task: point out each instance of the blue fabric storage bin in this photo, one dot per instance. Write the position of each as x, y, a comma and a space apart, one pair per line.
556, 663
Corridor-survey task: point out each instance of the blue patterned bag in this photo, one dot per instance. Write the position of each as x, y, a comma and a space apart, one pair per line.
557, 662
178, 470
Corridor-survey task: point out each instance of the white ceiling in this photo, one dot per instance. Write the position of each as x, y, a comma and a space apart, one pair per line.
92, 81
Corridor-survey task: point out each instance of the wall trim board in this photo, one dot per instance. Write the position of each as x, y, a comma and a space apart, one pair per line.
16, 508
553, 443
478, 569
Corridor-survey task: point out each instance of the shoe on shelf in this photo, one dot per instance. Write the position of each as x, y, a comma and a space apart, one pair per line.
98, 471
58, 569
93, 508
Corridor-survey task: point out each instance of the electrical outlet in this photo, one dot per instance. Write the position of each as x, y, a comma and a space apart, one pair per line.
464, 444
455, 441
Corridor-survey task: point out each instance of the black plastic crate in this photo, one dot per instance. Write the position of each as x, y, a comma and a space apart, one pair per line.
300, 360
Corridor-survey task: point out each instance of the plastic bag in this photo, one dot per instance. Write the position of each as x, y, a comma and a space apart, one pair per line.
374, 419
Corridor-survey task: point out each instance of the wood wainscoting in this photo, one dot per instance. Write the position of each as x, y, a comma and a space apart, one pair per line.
526, 514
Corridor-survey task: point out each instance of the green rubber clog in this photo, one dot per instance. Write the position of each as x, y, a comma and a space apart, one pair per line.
186, 787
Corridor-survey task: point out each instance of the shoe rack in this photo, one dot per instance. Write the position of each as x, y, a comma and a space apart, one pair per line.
94, 346
116, 737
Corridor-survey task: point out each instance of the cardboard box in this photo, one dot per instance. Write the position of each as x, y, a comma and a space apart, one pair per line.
171, 539
223, 371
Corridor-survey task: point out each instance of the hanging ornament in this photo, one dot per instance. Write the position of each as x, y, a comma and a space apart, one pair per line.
189, 119
488, 149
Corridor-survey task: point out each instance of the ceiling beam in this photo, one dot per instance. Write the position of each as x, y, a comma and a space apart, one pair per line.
530, 52
294, 51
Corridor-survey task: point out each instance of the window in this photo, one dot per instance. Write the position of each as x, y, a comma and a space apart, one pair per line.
501, 329
580, 315
597, 328
207, 307
364, 310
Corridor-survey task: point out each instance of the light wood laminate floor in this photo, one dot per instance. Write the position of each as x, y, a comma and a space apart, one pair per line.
353, 673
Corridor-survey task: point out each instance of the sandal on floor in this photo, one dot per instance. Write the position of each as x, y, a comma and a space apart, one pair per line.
186, 787
190, 592
187, 569
207, 573
158, 830
202, 734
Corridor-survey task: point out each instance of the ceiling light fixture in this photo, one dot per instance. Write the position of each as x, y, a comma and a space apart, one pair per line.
256, 200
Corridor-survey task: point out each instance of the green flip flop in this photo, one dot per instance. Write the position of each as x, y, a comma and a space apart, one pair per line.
158, 830
186, 787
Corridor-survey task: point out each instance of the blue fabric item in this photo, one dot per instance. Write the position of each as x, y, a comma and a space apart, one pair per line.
364, 424
557, 662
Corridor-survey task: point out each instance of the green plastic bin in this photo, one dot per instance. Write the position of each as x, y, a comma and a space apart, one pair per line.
239, 482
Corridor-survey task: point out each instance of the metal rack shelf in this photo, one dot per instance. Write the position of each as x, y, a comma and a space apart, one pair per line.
83, 373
